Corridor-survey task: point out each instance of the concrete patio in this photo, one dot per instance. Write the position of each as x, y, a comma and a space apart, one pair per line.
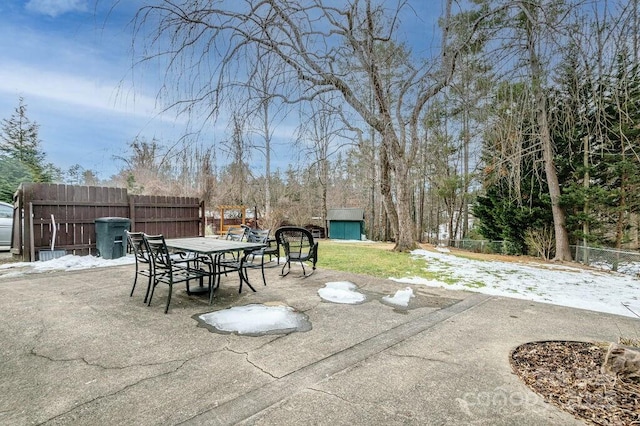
76, 349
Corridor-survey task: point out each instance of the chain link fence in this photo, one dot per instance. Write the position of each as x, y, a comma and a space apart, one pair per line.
626, 262
480, 246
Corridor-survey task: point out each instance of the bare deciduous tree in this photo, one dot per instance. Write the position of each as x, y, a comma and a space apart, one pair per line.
321, 136
316, 43
264, 110
533, 29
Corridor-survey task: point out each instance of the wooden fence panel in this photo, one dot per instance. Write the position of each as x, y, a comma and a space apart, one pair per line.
75, 209
173, 217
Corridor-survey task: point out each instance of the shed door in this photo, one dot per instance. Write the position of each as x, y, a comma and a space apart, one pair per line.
337, 230
341, 230
352, 231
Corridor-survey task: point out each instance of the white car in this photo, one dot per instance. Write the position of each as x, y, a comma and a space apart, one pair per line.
6, 223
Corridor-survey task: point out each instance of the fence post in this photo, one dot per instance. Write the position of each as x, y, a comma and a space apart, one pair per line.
16, 229
203, 220
27, 239
32, 249
132, 212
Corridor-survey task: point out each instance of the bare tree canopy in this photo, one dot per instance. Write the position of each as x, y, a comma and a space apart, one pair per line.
353, 48
413, 107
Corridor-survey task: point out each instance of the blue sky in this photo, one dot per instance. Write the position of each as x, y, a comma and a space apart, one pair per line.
71, 62
72, 66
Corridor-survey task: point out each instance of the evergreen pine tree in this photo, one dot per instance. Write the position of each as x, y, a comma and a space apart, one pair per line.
19, 140
21, 157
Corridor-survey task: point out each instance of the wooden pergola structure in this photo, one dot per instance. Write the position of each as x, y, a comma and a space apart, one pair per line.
222, 230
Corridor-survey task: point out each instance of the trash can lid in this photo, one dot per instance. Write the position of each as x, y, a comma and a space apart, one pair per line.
112, 219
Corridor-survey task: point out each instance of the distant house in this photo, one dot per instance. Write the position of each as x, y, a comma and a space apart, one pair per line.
346, 223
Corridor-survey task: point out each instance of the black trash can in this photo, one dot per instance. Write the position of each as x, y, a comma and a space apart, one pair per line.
111, 239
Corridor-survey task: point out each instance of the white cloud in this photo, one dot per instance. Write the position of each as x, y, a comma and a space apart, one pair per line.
78, 90
54, 8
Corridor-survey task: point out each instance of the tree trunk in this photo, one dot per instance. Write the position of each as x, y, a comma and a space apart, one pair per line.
267, 160
325, 178
405, 240
585, 211
585, 184
465, 190
421, 204
622, 208
563, 251
372, 195
385, 190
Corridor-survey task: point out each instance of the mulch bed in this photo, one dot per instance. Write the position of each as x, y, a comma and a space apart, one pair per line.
567, 375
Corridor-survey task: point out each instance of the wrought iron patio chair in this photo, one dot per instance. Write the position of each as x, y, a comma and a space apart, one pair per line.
170, 270
242, 261
299, 246
230, 262
254, 259
144, 266
272, 248
238, 233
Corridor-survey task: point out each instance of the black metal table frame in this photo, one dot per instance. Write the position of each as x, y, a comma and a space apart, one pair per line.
215, 249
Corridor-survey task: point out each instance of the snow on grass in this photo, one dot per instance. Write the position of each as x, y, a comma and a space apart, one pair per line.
556, 284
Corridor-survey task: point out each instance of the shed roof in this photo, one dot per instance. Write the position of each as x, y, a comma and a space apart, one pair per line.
346, 214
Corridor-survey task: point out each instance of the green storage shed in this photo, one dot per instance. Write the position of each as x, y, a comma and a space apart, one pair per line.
346, 223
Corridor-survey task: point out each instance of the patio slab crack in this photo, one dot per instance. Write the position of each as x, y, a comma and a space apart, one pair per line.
83, 360
180, 364
380, 405
116, 392
246, 357
331, 394
423, 358
259, 399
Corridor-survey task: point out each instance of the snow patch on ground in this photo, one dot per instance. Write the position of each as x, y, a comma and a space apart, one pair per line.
341, 292
257, 319
564, 285
64, 263
401, 298
558, 284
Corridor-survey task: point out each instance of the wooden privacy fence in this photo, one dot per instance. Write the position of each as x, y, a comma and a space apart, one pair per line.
75, 209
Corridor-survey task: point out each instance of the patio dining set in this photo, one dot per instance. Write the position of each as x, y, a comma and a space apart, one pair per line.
205, 260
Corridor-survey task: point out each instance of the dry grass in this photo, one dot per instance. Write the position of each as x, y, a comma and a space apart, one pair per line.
374, 259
